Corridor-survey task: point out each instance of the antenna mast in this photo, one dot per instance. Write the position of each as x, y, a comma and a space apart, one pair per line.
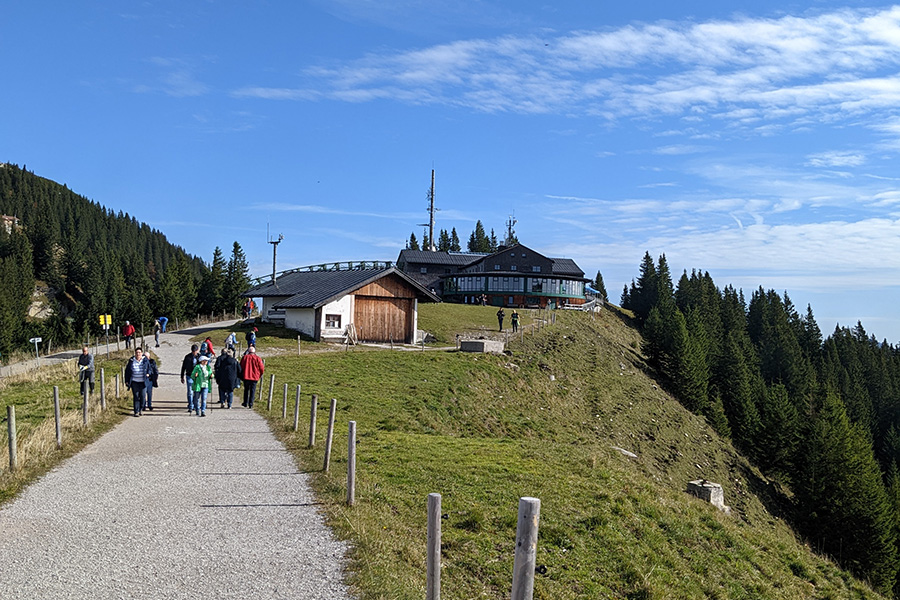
274, 253
510, 232
431, 211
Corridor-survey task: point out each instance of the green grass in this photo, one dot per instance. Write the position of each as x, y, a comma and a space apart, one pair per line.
444, 321
32, 396
485, 430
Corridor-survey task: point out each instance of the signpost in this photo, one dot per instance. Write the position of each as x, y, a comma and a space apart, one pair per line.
36, 341
106, 321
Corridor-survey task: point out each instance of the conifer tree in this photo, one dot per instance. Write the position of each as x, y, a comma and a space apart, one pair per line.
844, 507
412, 243
454, 241
237, 278
443, 241
601, 287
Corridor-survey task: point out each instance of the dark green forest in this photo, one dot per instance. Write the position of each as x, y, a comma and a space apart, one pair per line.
820, 417
96, 261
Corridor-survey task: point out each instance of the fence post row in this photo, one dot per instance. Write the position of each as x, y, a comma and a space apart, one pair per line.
526, 549
433, 559
330, 433
11, 433
351, 463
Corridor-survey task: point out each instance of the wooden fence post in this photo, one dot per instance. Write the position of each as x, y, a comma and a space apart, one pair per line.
297, 411
284, 404
526, 549
314, 405
351, 463
271, 383
330, 433
272, 387
102, 389
85, 405
57, 416
11, 432
117, 386
433, 559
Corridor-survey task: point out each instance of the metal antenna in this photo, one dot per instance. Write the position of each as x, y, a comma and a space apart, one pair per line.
274, 253
431, 211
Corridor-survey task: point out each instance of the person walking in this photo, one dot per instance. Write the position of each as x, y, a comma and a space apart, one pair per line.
152, 381
201, 375
231, 341
128, 332
227, 372
191, 360
136, 378
514, 319
252, 368
251, 337
500, 315
86, 370
157, 328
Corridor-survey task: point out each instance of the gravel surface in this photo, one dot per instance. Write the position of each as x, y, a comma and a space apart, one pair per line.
171, 505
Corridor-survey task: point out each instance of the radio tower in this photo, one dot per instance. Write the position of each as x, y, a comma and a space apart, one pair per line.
274, 253
510, 232
431, 211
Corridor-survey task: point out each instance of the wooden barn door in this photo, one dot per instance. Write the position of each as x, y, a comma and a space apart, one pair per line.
380, 319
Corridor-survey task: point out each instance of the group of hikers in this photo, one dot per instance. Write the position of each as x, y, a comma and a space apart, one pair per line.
228, 373
514, 318
197, 372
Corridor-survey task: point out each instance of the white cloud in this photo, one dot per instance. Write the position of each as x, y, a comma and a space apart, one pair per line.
836, 159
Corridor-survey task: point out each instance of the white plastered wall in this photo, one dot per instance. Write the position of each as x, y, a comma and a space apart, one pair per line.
342, 306
301, 319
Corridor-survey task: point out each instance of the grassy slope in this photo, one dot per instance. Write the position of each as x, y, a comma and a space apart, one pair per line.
486, 430
32, 395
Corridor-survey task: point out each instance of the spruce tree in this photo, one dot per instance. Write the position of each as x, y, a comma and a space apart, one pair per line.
454, 241
841, 498
601, 287
237, 278
412, 243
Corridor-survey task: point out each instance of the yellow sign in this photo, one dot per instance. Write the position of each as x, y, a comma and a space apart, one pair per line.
106, 319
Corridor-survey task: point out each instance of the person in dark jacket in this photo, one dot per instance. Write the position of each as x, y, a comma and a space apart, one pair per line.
191, 360
152, 381
136, 379
228, 377
86, 369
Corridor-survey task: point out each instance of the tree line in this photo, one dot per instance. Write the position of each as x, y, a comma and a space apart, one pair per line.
479, 241
96, 261
819, 415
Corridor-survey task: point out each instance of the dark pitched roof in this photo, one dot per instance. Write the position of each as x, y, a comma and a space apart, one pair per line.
312, 289
454, 259
566, 266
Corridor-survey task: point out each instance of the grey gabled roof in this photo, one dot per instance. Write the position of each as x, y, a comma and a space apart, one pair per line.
452, 259
312, 289
566, 266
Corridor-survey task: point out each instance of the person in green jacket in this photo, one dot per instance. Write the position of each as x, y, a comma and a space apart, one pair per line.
201, 376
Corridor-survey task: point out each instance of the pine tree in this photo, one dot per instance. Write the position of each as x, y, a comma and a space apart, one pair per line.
601, 287
212, 288
237, 278
444, 241
412, 243
842, 500
454, 241
643, 294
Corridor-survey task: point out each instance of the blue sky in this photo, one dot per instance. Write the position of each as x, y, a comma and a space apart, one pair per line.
758, 141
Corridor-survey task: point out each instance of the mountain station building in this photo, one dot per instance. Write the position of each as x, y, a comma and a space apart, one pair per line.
515, 276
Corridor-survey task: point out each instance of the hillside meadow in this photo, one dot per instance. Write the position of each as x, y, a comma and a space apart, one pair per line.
548, 420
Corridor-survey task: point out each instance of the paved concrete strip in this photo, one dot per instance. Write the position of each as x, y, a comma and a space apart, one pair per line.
171, 505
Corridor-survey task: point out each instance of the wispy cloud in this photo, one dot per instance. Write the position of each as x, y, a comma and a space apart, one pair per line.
176, 78
327, 210
747, 71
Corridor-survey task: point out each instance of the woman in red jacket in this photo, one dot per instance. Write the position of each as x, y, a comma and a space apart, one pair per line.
252, 368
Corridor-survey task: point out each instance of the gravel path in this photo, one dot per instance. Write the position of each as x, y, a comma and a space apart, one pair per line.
170, 505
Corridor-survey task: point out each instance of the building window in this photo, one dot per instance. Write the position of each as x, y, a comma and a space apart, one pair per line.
536, 269
512, 267
496, 267
423, 269
537, 285
333, 321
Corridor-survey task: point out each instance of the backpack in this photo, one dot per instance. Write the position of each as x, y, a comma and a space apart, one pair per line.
204, 348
